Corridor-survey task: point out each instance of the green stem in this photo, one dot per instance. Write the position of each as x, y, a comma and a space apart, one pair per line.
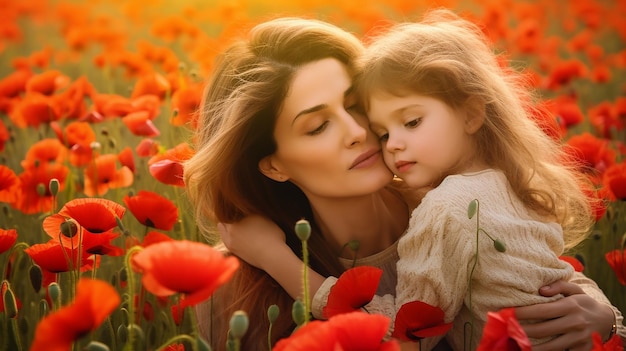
305, 259
471, 323
16, 334
130, 281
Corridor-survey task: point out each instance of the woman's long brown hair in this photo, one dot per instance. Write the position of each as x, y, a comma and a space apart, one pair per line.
238, 114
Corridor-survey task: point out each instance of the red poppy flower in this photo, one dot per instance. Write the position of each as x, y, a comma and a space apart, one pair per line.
14, 84
168, 166
564, 72
354, 289
417, 320
72, 99
604, 118
613, 344
9, 185
29, 200
53, 257
44, 151
95, 300
139, 123
90, 220
187, 267
35, 109
591, 152
614, 180
503, 332
8, 237
47, 83
574, 262
154, 237
617, 261
349, 331
152, 209
111, 105
544, 116
147, 147
151, 83
4, 135
126, 158
103, 175
185, 103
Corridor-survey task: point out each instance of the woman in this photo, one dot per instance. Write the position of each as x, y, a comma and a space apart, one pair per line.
278, 138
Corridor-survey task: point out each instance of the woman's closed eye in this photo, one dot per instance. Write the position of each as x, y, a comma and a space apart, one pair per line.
319, 129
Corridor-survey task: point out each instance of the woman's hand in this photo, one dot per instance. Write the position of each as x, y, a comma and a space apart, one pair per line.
254, 239
571, 319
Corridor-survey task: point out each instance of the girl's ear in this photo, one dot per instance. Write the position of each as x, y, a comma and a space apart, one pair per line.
268, 166
475, 112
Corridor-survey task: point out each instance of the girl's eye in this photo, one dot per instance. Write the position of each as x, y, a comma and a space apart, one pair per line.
383, 137
413, 123
318, 129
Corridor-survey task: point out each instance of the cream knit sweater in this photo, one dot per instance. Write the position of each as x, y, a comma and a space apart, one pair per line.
438, 250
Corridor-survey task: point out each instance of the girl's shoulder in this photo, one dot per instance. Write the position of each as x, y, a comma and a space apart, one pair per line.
412, 197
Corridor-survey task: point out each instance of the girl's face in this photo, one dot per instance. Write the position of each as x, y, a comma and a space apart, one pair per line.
323, 146
424, 139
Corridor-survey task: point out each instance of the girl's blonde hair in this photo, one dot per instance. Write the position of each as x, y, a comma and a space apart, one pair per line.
238, 114
449, 58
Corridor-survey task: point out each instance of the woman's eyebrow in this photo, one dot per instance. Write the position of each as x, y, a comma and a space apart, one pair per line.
309, 110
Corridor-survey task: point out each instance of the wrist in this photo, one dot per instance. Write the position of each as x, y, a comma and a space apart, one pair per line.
613, 330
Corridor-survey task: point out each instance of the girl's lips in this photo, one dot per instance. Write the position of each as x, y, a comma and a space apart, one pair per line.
366, 159
403, 166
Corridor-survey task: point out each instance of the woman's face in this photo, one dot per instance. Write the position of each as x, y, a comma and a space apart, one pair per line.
323, 146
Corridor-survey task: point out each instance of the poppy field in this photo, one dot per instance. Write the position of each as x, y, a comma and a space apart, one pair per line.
98, 103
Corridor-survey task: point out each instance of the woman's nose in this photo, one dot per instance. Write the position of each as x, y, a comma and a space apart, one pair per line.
355, 132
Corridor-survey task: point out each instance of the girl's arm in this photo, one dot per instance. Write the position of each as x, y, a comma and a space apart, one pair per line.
583, 310
261, 243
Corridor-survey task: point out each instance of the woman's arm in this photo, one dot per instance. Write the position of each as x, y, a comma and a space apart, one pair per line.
261, 243
583, 310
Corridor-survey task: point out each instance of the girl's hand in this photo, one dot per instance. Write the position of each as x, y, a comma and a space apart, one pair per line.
571, 319
254, 239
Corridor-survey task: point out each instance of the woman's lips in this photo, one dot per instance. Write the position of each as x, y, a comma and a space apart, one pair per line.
366, 159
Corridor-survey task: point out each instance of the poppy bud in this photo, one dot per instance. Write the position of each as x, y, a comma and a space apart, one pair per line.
95, 145
297, 312
54, 186
499, 245
272, 313
8, 299
202, 345
471, 209
36, 277
303, 229
41, 189
354, 245
69, 228
43, 308
239, 324
96, 346
54, 290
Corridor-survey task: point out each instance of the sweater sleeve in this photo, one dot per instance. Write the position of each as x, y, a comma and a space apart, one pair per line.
435, 260
593, 290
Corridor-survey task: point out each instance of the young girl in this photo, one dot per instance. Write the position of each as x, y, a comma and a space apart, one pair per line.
451, 119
